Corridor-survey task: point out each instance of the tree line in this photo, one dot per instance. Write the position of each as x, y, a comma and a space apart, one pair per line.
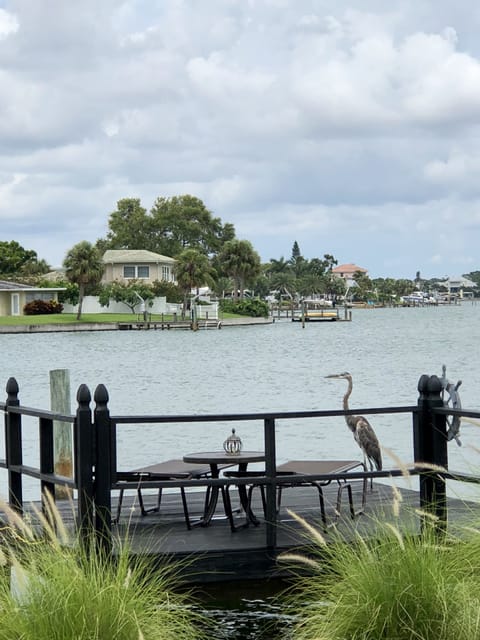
207, 253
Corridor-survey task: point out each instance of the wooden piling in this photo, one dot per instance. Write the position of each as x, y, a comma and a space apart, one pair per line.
63, 447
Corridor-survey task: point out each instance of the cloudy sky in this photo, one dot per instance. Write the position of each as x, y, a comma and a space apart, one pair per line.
350, 127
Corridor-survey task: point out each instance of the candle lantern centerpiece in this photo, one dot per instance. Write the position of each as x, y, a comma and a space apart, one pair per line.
233, 444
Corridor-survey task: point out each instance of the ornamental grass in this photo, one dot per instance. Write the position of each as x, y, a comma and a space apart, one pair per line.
395, 587
52, 589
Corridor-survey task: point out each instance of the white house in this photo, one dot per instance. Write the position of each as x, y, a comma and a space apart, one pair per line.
137, 264
14, 296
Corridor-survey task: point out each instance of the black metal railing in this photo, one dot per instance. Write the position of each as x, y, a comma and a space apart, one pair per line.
95, 453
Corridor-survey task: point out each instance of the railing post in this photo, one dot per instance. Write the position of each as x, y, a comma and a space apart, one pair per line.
83, 432
103, 469
13, 446
47, 462
430, 447
271, 474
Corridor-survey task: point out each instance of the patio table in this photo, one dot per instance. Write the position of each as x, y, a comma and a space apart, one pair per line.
214, 459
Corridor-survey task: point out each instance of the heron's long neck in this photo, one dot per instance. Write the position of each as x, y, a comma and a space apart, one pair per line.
347, 395
350, 420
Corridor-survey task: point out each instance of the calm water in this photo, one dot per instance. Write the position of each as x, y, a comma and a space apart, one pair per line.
248, 369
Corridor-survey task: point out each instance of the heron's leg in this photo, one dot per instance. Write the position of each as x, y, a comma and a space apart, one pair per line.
371, 479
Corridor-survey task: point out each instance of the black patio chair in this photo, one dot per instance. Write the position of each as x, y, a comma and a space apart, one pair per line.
294, 468
149, 477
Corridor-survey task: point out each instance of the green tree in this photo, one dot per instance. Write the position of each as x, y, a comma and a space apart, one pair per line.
70, 294
241, 262
474, 276
296, 253
184, 222
223, 284
35, 268
172, 225
297, 261
169, 290
14, 258
403, 287
129, 227
130, 293
364, 287
281, 276
83, 266
193, 270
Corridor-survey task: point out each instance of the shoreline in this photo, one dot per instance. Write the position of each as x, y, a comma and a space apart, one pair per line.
114, 326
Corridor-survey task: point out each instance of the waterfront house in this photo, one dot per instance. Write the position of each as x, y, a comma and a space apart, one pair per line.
347, 271
14, 296
456, 284
122, 265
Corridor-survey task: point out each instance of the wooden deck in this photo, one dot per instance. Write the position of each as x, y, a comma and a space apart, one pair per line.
215, 553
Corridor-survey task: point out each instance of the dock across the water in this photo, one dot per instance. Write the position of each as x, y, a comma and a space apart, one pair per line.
169, 324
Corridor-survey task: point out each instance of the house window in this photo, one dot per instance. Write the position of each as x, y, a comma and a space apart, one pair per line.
130, 271
38, 295
166, 273
143, 272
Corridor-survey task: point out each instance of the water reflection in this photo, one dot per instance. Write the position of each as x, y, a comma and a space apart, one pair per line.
247, 611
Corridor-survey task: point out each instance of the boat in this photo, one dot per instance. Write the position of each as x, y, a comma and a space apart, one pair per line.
316, 311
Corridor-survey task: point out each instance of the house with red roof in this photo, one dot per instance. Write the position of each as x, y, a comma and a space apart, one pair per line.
347, 271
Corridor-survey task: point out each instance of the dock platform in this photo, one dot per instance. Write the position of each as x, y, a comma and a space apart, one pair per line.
215, 554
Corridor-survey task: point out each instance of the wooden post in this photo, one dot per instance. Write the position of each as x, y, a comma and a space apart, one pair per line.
303, 314
63, 446
194, 316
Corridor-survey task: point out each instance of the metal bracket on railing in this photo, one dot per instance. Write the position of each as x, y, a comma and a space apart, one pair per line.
453, 401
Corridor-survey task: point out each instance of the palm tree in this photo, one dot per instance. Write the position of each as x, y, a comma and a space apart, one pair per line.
241, 262
192, 270
83, 266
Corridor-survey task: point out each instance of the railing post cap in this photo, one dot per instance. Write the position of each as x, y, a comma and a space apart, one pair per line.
12, 387
423, 383
434, 385
83, 395
101, 395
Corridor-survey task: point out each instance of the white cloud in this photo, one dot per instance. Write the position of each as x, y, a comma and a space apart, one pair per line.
350, 130
8, 23
460, 171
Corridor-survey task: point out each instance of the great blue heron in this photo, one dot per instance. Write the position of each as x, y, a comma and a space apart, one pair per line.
361, 428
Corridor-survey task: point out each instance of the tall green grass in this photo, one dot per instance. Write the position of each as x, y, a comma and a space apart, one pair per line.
394, 587
60, 592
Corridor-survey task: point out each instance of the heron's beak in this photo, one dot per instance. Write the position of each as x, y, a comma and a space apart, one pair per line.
332, 375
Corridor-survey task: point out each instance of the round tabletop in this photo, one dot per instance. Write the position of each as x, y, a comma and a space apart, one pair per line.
220, 457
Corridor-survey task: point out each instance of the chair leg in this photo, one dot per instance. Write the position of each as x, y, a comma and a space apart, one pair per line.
227, 505
185, 508
262, 495
322, 503
279, 498
341, 487
119, 506
364, 496
142, 504
364, 492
